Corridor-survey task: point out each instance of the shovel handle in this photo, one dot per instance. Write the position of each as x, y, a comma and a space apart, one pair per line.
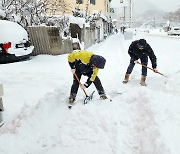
151, 69
80, 83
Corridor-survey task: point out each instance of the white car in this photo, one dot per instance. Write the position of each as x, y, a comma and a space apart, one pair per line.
15, 38
174, 31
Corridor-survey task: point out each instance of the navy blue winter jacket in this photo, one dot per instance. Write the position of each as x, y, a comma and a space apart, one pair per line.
136, 53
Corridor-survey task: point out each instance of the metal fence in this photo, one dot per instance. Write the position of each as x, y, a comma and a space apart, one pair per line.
47, 40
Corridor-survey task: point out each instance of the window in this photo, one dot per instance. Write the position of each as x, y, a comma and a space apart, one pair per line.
79, 1
93, 2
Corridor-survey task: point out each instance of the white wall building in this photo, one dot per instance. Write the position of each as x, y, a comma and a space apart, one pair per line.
123, 12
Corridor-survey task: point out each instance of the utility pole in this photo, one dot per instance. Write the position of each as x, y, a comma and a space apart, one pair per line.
130, 13
124, 14
127, 12
87, 8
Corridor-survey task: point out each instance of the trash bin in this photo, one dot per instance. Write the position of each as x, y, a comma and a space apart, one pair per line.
128, 34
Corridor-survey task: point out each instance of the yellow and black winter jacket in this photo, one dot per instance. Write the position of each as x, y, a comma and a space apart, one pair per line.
80, 60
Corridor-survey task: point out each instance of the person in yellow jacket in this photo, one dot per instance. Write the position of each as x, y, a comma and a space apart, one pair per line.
88, 64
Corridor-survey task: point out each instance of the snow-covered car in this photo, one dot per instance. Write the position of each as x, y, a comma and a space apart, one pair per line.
14, 42
174, 31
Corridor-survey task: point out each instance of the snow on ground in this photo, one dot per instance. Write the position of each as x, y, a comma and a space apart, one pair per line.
139, 120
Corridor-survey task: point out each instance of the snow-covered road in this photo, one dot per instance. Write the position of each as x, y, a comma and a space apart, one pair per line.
139, 120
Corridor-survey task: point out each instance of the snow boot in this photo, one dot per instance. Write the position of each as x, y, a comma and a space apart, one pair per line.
103, 96
143, 79
71, 101
126, 78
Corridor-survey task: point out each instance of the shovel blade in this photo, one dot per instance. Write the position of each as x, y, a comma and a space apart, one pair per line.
88, 98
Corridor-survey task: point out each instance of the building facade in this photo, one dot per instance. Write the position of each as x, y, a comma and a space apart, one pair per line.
95, 12
85, 6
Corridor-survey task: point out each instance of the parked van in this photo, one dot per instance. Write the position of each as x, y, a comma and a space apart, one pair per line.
174, 31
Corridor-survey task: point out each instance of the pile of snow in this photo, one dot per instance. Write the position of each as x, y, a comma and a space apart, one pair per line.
76, 40
2, 13
77, 20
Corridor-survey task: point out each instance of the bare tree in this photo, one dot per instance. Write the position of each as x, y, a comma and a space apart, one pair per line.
57, 7
173, 16
36, 12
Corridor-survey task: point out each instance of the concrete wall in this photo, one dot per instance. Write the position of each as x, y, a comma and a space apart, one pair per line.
89, 37
85, 34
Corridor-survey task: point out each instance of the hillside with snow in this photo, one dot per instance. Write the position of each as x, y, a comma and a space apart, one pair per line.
143, 11
138, 120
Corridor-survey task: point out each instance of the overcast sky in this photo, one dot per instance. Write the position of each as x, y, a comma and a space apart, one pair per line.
167, 5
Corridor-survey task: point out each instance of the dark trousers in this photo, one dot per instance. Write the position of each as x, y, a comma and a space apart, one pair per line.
144, 60
75, 86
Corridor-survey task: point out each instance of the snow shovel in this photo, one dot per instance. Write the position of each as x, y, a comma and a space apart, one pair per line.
88, 98
151, 69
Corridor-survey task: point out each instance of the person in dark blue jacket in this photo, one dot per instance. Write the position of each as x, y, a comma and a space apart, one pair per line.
140, 49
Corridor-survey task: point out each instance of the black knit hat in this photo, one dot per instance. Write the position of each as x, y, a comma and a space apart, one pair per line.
142, 42
98, 61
